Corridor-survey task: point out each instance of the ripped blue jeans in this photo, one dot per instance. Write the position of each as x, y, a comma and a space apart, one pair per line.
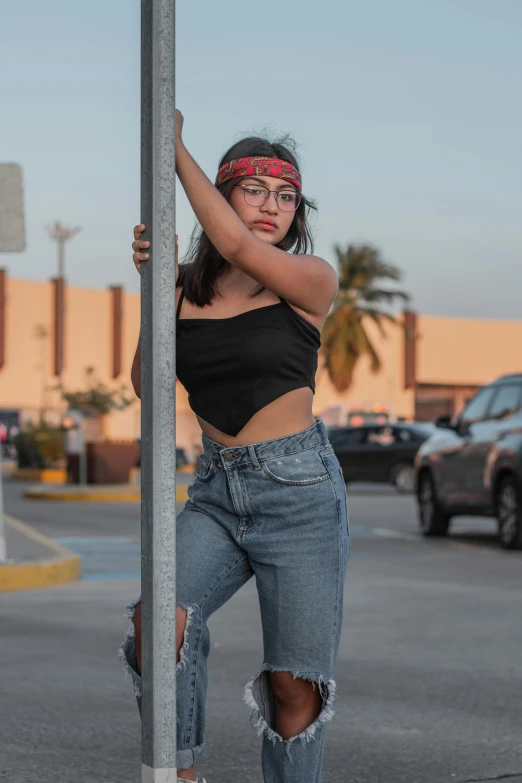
276, 510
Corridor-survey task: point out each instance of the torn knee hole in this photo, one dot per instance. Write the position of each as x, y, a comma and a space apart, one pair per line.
183, 623
136, 621
130, 650
274, 685
181, 627
290, 691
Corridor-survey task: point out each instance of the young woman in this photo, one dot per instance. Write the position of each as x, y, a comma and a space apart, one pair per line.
268, 498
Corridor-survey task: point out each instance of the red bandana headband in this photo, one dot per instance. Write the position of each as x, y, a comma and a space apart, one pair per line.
259, 167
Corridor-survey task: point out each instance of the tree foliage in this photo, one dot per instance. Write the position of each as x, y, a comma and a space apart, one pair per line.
365, 295
97, 397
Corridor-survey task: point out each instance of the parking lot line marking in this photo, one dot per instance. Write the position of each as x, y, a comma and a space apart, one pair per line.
106, 557
384, 532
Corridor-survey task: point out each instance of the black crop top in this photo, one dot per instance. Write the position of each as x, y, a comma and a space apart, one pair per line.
233, 367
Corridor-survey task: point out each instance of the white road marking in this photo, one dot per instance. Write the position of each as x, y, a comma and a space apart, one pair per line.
384, 532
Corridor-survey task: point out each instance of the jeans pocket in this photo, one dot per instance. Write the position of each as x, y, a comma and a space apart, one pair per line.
300, 469
205, 468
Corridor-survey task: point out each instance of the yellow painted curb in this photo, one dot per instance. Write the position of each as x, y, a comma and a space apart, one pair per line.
103, 496
64, 567
47, 476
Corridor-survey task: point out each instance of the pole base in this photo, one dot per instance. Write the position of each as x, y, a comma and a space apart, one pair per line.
149, 775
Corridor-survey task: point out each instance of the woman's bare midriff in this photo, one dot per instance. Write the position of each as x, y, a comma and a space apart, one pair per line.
287, 415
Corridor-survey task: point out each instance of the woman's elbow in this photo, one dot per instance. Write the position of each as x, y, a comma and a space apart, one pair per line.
236, 247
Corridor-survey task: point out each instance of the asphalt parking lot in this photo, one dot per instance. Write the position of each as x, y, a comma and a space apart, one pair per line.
428, 677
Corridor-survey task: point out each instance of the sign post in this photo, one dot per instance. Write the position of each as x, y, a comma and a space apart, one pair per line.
158, 388
12, 240
73, 439
3, 549
12, 224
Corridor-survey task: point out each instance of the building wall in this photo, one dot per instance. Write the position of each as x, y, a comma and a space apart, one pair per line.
466, 351
25, 377
453, 356
27, 380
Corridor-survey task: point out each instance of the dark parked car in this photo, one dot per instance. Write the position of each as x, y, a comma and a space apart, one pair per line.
181, 458
473, 465
379, 452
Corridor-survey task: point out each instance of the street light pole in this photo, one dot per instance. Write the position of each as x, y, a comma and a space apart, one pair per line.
61, 234
158, 390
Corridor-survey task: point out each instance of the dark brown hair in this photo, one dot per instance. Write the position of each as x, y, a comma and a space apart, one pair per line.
203, 264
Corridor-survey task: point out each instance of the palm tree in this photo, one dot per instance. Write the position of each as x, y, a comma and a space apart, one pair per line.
363, 296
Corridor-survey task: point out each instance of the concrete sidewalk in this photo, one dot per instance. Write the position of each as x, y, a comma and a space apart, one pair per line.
34, 561
97, 493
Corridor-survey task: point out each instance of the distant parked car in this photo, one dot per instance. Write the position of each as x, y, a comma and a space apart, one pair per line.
383, 453
473, 465
181, 458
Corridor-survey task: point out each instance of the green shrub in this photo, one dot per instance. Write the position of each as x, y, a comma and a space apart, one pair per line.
97, 397
38, 446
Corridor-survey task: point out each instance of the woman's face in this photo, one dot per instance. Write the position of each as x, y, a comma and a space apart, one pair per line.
267, 221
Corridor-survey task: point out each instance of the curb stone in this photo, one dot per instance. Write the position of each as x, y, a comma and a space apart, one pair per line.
60, 568
101, 495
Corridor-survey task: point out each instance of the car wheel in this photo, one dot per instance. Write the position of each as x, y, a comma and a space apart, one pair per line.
403, 476
433, 520
509, 514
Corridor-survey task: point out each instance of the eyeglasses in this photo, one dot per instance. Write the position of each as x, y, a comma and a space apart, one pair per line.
257, 195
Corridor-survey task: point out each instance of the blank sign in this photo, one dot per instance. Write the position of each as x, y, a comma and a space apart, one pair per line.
12, 229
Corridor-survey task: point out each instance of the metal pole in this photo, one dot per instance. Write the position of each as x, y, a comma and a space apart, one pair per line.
61, 234
61, 257
158, 385
82, 464
3, 551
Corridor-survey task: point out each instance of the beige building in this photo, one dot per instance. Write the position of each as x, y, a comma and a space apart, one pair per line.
49, 331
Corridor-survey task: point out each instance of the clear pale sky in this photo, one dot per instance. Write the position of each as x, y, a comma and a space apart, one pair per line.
407, 112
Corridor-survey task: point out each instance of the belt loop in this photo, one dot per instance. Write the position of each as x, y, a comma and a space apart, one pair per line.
253, 457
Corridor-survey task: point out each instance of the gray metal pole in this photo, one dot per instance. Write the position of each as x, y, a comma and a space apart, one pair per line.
82, 466
61, 257
3, 551
61, 234
158, 387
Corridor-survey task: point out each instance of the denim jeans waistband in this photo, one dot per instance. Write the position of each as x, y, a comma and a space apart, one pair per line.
289, 444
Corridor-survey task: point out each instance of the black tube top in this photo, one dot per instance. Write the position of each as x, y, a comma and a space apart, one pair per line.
233, 367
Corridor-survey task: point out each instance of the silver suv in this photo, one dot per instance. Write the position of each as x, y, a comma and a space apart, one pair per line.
473, 465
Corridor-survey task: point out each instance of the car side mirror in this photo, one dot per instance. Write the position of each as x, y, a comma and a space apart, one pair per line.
462, 428
444, 422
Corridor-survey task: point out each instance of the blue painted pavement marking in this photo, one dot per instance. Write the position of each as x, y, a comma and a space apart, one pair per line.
119, 557
106, 557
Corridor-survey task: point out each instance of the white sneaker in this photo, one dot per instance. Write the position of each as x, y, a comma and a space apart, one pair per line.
184, 780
